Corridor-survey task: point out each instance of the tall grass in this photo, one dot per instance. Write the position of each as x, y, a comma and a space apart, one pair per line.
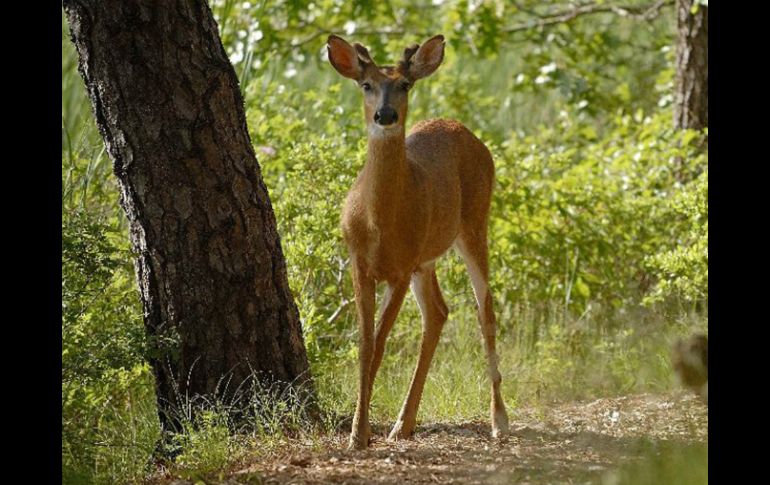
557, 358
565, 360
111, 440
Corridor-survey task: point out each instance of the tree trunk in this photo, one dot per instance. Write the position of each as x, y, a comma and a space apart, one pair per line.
692, 96
209, 264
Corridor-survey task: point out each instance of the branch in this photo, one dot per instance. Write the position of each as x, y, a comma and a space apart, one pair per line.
338, 311
642, 12
359, 33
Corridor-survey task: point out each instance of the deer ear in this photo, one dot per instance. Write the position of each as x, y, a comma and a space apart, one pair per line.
427, 58
344, 57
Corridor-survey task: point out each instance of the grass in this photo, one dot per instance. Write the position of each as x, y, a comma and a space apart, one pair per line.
560, 365
113, 441
568, 359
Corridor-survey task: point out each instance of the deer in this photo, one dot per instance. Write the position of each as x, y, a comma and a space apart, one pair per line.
690, 360
416, 197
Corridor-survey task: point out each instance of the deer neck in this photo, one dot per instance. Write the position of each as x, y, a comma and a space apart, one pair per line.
384, 177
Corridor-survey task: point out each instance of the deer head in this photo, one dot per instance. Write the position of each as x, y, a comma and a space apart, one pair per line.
385, 88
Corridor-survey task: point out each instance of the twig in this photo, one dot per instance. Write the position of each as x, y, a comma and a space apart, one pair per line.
644, 12
338, 311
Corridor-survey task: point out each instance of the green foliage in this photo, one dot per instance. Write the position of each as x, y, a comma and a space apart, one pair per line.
101, 319
109, 427
574, 217
109, 420
595, 61
299, 154
600, 205
684, 269
575, 214
205, 445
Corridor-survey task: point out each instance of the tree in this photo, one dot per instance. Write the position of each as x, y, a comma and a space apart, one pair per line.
691, 99
209, 264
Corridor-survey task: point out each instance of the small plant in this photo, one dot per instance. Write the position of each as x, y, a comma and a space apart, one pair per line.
205, 445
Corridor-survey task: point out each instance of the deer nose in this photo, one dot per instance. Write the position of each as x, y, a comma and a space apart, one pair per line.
385, 116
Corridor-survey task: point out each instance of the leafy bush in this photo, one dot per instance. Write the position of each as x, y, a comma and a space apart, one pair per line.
683, 270
574, 216
109, 421
101, 318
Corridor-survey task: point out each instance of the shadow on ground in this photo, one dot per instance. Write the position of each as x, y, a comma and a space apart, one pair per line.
635, 440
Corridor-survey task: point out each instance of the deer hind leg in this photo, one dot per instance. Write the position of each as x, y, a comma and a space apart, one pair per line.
434, 315
364, 288
474, 253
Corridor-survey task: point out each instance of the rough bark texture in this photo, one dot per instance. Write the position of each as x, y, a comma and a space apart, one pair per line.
210, 268
692, 96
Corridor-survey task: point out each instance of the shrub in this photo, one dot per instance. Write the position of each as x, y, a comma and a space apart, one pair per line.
109, 419
682, 268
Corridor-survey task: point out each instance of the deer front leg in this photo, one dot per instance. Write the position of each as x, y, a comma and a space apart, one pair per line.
394, 297
364, 288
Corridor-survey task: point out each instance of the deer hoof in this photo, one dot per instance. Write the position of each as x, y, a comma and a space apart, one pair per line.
358, 442
401, 431
500, 424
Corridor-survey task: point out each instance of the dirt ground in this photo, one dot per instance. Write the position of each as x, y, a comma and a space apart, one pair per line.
567, 443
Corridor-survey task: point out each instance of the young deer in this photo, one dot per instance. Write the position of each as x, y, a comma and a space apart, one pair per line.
415, 197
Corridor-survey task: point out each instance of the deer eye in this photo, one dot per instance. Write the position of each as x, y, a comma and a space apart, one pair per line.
405, 86
366, 86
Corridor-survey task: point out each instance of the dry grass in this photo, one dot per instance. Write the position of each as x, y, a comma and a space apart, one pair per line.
575, 442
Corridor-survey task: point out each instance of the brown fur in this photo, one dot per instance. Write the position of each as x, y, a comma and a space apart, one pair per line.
415, 198
690, 360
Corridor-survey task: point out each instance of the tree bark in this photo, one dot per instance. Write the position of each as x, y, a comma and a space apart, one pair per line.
691, 101
209, 264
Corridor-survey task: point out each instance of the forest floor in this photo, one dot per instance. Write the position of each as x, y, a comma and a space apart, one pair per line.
590, 442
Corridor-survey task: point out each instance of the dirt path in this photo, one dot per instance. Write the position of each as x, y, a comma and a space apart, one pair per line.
577, 442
